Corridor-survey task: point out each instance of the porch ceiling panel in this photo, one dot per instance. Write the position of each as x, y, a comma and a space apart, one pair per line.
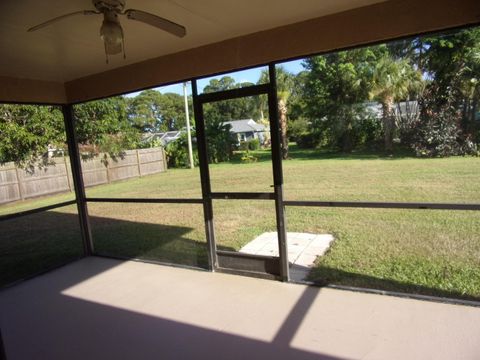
72, 48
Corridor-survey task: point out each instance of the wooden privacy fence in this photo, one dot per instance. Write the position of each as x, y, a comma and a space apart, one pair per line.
18, 184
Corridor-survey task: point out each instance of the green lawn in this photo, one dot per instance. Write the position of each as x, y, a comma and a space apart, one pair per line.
422, 251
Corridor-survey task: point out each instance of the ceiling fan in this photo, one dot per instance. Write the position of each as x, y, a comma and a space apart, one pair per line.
111, 31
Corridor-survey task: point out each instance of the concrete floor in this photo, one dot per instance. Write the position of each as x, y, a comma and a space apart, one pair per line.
105, 309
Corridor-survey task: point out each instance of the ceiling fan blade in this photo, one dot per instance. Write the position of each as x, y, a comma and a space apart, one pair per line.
58, 18
157, 21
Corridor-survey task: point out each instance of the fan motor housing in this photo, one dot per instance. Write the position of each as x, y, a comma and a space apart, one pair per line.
109, 5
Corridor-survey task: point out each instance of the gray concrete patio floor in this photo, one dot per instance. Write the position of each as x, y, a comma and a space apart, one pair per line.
98, 308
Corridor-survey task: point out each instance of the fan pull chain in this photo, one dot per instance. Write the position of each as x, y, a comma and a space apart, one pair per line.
123, 46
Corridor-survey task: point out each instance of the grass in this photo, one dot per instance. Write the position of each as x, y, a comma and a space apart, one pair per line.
433, 252
37, 242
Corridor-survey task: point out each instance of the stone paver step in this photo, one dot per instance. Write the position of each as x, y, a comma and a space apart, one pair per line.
303, 250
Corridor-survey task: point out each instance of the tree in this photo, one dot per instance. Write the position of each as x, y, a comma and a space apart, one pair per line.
102, 126
285, 82
413, 49
144, 111
393, 80
453, 64
27, 131
336, 93
227, 110
172, 109
296, 100
222, 84
152, 111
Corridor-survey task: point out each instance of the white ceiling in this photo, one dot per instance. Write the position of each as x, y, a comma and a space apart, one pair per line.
72, 48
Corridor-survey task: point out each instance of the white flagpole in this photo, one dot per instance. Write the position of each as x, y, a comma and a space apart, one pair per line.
189, 136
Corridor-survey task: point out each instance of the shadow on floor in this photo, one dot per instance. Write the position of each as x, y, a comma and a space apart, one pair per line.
73, 328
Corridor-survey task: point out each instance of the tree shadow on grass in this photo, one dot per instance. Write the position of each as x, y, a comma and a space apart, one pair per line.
296, 153
38, 242
362, 153
323, 275
158, 242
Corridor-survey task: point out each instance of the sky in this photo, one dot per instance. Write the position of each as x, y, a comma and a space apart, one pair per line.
251, 75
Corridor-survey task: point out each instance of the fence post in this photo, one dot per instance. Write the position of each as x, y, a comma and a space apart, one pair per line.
138, 164
77, 179
20, 190
68, 175
107, 169
164, 157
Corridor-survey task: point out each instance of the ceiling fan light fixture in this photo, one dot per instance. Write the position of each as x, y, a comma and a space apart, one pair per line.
111, 31
112, 35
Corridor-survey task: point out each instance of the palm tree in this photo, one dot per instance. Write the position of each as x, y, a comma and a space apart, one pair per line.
284, 86
393, 80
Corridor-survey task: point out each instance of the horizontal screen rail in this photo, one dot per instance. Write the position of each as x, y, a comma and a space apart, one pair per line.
234, 93
148, 261
384, 205
146, 200
36, 210
242, 196
248, 263
237, 254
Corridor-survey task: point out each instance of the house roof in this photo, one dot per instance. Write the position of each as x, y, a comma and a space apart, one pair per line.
244, 125
164, 137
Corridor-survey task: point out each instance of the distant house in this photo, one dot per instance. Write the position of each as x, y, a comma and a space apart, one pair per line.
164, 138
246, 129
404, 110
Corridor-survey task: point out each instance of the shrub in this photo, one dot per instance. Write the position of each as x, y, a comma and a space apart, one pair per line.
437, 133
306, 141
253, 144
220, 141
298, 128
177, 153
243, 146
248, 158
